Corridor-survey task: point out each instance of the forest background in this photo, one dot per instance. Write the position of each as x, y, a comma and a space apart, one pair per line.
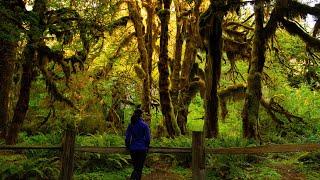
248, 69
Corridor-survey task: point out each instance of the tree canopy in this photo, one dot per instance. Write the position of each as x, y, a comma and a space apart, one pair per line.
99, 58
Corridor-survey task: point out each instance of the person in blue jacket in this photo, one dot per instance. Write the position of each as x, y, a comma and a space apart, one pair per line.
137, 142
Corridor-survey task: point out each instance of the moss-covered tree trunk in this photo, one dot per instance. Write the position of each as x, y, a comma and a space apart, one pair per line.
163, 67
30, 56
175, 77
186, 93
253, 95
8, 47
186, 98
8, 53
22, 105
213, 70
134, 11
149, 41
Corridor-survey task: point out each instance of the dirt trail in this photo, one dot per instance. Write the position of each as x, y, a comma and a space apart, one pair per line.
288, 172
161, 171
162, 175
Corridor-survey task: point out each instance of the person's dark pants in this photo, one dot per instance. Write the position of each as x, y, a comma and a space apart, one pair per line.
138, 158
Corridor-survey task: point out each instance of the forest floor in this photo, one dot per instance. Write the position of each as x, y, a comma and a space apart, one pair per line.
162, 175
283, 170
289, 172
278, 166
272, 169
161, 171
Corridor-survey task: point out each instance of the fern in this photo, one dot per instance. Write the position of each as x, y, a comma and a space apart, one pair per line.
16, 167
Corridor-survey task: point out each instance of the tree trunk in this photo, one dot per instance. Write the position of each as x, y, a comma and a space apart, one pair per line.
134, 11
29, 55
250, 112
149, 40
175, 78
186, 76
8, 52
186, 99
213, 71
8, 47
23, 101
163, 66
186, 93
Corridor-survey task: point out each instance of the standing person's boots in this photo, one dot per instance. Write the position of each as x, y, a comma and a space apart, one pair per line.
134, 175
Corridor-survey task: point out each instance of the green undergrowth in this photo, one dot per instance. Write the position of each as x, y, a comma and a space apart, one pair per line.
21, 167
268, 166
120, 174
44, 164
53, 138
107, 174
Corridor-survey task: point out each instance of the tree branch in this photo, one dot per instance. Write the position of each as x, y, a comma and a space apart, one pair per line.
121, 22
271, 26
52, 88
294, 29
316, 28
237, 92
304, 9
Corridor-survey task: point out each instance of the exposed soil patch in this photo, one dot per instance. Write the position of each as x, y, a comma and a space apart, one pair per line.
162, 175
288, 172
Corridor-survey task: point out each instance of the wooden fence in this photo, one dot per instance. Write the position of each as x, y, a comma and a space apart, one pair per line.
198, 151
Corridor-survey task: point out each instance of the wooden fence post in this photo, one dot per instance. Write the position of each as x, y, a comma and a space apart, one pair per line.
198, 156
67, 157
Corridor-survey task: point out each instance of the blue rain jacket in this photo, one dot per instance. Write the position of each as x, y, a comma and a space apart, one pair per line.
138, 136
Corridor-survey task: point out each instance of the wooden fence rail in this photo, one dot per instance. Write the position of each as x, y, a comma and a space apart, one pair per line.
198, 151
93, 149
276, 148
282, 148
14, 147
108, 150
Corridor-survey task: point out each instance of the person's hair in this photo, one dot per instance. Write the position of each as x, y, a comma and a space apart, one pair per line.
136, 115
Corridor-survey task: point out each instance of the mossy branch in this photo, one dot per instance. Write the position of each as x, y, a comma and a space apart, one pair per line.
238, 92
55, 56
316, 28
46, 55
276, 107
271, 26
53, 90
237, 24
121, 22
304, 9
294, 29
124, 42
